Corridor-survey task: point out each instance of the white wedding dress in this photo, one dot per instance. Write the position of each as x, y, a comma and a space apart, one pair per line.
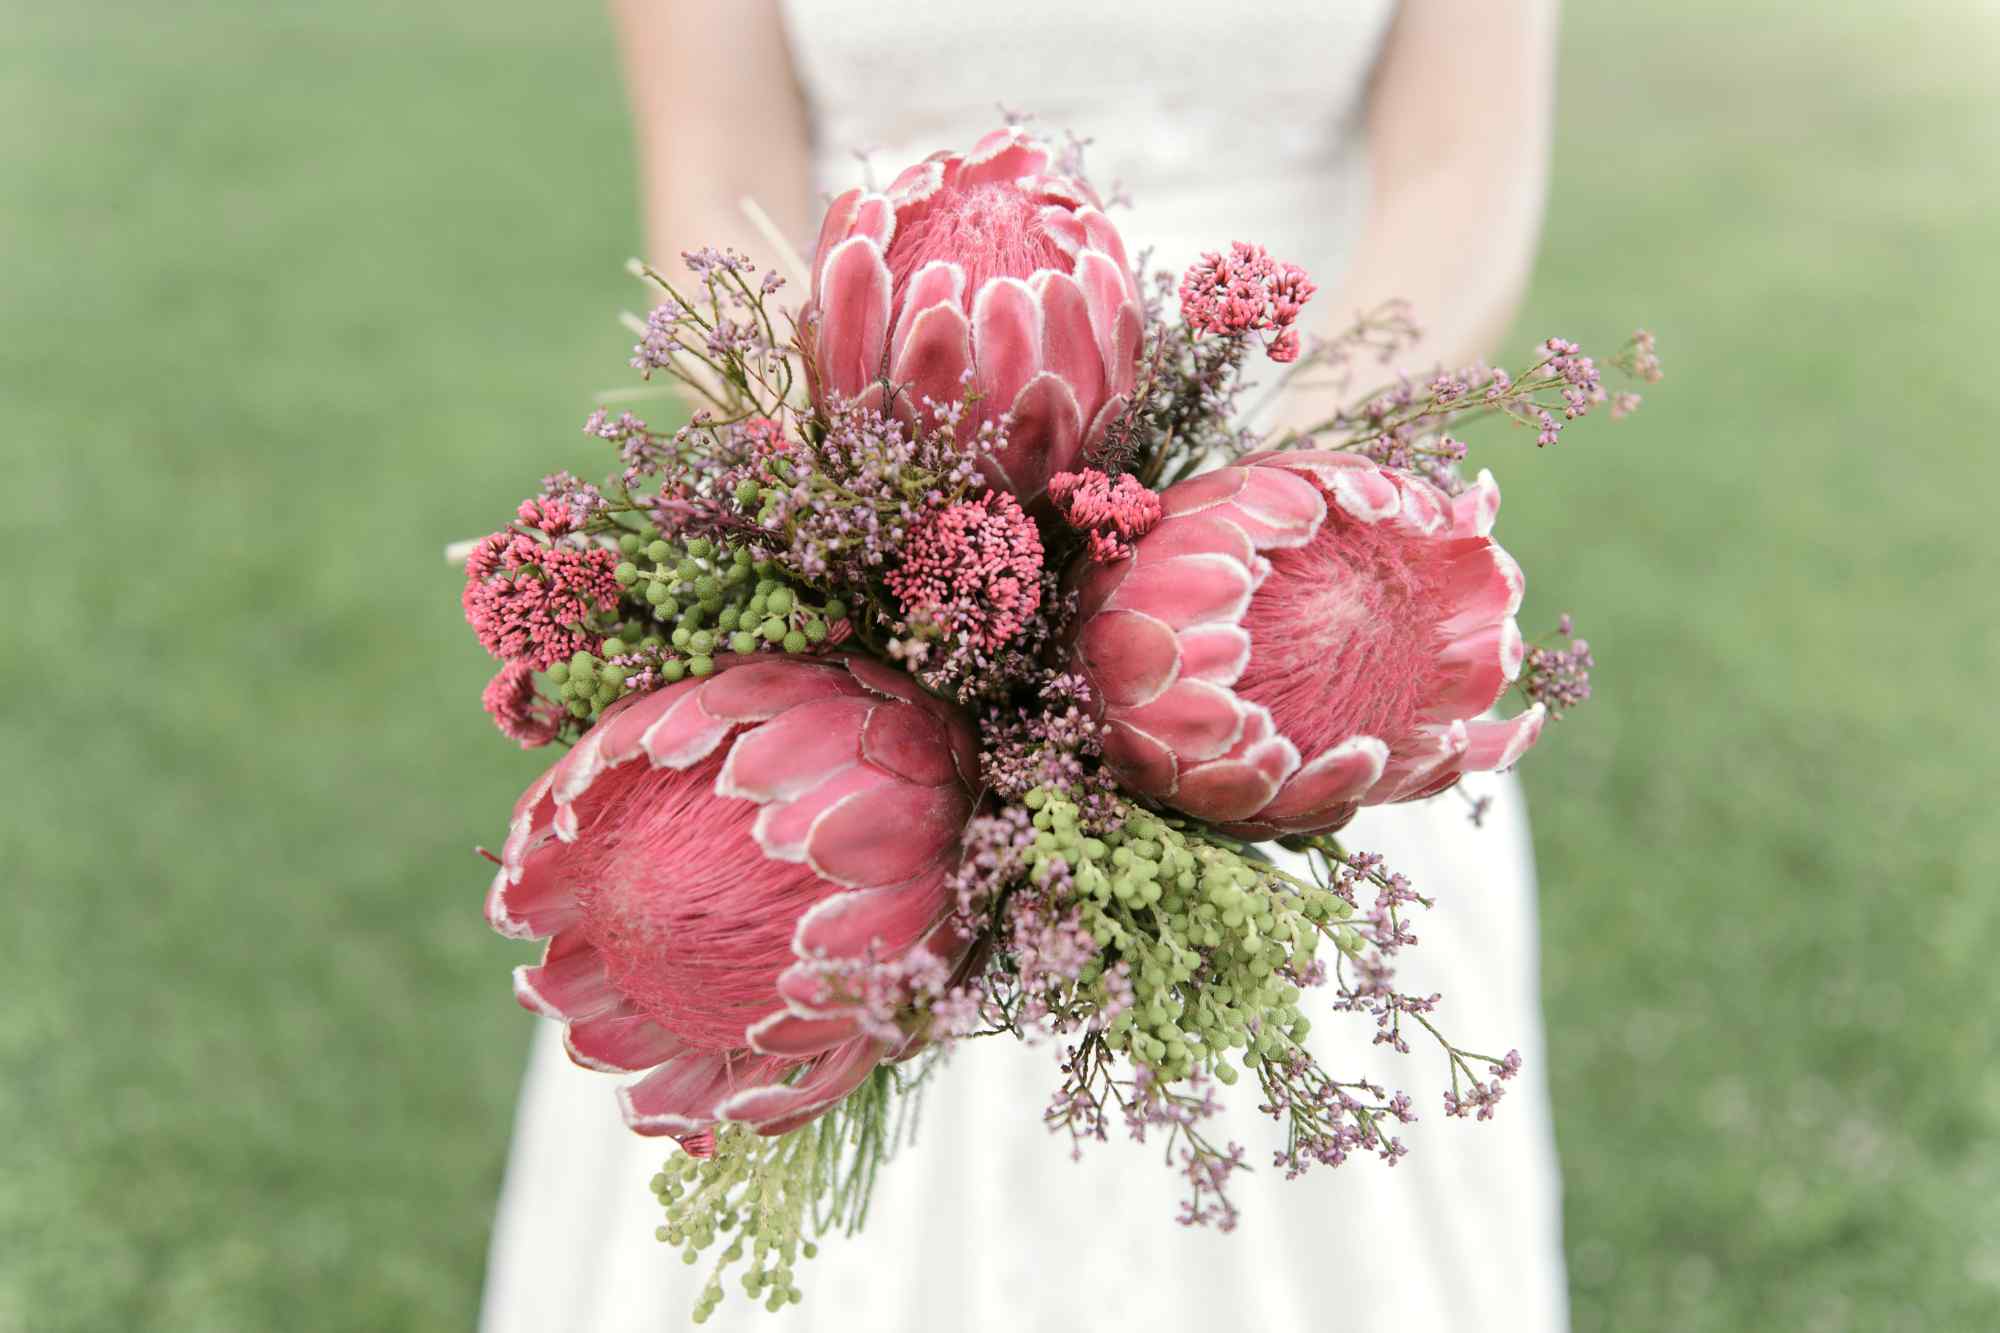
1224, 124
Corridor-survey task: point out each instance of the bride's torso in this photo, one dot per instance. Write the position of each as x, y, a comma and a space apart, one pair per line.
1222, 124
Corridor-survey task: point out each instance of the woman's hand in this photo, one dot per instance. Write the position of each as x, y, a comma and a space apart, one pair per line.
1459, 119
718, 115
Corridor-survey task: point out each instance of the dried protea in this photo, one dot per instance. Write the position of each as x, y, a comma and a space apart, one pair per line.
988, 263
707, 853
1303, 634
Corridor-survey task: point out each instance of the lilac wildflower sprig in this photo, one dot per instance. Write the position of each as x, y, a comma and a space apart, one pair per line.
723, 344
1052, 742
1557, 678
1407, 424
1370, 937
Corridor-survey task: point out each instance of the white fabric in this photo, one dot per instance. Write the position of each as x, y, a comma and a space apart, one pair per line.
1238, 123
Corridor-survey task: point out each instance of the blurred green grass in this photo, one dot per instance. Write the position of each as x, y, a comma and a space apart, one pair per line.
294, 294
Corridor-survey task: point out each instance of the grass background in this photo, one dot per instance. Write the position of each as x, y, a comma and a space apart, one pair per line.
292, 293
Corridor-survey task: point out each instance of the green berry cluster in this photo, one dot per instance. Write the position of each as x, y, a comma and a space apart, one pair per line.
758, 1189
702, 598
765, 1193
1205, 931
587, 684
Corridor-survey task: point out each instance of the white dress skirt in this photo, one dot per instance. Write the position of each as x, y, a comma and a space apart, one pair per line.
1236, 126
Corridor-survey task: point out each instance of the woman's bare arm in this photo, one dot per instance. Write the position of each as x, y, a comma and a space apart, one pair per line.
1459, 119
718, 114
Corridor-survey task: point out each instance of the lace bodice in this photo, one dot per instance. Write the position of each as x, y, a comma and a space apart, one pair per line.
1222, 123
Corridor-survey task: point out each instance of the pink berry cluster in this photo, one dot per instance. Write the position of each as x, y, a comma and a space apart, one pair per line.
1112, 513
529, 595
1247, 291
974, 569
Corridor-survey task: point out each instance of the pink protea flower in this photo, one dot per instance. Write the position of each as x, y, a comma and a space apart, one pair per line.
985, 263
974, 569
1303, 634
707, 851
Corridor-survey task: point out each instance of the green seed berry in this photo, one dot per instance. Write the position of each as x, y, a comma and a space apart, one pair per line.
795, 642
701, 666
779, 602
629, 544
836, 609
701, 547
615, 647
772, 629
701, 642
746, 492
626, 574
658, 552
673, 669
816, 630
559, 672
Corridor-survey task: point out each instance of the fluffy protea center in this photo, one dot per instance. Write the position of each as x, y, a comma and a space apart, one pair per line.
992, 230
692, 930
1346, 630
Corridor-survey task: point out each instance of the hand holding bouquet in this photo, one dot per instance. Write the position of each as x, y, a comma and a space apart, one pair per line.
939, 677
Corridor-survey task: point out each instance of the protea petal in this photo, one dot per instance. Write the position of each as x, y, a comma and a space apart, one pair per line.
1276, 509
623, 1042
1187, 590
847, 844
1216, 653
1341, 774
568, 984
853, 317
1494, 745
787, 1034
783, 829
1473, 512
1143, 762
1069, 345
1131, 657
854, 924
910, 743
1006, 337
940, 282
1193, 718
1044, 434
786, 757
535, 900
833, 229
1203, 492
1226, 789
931, 365
683, 1094
831, 1077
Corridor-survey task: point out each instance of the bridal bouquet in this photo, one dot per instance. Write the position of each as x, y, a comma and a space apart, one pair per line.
942, 676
